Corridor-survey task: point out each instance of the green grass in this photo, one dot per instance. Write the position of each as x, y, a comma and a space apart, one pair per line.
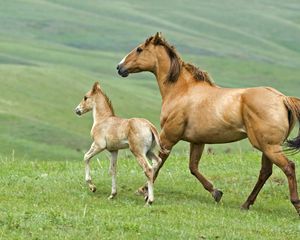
52, 51
49, 200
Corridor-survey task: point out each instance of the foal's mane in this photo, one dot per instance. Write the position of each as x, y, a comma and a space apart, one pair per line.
108, 101
177, 63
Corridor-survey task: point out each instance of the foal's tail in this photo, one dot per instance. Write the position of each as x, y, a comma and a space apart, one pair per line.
293, 105
155, 135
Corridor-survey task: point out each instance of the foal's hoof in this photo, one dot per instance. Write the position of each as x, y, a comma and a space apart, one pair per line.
148, 203
217, 195
92, 188
112, 196
143, 191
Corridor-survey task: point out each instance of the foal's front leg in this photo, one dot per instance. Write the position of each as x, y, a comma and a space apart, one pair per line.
94, 149
113, 172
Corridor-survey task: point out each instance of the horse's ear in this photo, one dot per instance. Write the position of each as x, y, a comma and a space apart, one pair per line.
96, 87
157, 38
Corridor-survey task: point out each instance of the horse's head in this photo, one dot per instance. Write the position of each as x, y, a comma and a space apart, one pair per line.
88, 101
142, 58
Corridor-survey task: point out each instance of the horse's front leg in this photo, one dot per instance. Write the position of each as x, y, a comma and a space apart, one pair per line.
113, 172
196, 151
94, 149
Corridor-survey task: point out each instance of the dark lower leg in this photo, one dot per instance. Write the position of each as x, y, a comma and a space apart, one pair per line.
265, 173
288, 167
289, 171
196, 151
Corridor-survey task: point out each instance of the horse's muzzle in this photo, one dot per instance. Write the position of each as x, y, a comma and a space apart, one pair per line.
122, 71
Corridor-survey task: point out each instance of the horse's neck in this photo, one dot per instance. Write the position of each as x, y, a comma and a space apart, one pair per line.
183, 82
161, 73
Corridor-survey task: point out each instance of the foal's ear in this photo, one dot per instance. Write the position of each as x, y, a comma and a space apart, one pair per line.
96, 87
157, 38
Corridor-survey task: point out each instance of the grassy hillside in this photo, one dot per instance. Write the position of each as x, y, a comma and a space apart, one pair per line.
52, 51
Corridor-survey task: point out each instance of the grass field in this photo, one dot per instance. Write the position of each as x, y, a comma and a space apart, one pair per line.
49, 200
52, 51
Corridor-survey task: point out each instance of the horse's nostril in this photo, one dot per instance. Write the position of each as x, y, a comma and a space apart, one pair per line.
118, 66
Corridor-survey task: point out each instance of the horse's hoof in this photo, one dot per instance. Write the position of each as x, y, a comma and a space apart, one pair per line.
245, 207
217, 195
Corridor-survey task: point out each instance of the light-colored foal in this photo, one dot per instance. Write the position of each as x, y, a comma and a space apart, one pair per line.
113, 133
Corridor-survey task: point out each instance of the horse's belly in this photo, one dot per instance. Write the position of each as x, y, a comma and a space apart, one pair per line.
215, 136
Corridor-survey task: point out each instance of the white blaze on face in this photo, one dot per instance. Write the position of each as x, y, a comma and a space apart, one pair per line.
78, 108
123, 60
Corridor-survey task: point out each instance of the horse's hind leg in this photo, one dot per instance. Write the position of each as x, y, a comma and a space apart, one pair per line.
94, 149
265, 173
113, 172
275, 154
196, 151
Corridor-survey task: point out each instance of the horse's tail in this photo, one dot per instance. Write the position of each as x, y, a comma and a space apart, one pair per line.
293, 105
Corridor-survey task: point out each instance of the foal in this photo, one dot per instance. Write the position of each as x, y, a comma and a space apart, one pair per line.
113, 133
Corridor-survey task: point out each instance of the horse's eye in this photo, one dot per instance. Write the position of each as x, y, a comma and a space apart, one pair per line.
139, 49
85, 98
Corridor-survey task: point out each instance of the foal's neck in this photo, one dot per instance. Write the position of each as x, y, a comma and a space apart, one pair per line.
102, 109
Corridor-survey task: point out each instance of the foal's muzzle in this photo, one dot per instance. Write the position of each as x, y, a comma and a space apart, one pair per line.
77, 111
122, 71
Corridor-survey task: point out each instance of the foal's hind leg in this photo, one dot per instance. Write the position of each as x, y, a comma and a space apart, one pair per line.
87, 157
196, 151
156, 161
265, 173
156, 165
167, 146
148, 170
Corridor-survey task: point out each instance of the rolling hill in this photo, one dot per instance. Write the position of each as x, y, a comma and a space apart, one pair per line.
52, 51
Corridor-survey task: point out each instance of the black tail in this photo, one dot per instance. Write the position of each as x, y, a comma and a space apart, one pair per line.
293, 105
294, 144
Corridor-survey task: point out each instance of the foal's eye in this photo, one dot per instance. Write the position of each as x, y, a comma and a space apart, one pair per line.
139, 49
85, 98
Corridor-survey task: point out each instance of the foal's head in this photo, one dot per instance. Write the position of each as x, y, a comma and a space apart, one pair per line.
89, 101
145, 58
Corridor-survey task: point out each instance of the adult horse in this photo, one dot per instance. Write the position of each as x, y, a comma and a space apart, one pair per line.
194, 109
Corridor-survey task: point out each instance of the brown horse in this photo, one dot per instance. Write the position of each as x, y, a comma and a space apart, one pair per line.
194, 109
113, 133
